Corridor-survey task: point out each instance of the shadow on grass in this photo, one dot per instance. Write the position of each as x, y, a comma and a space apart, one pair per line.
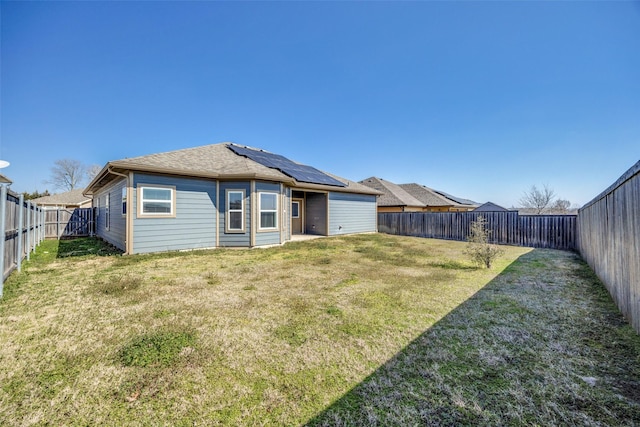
541, 344
81, 246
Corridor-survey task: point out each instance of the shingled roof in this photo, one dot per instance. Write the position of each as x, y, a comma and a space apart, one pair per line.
215, 161
431, 197
490, 207
392, 194
5, 180
68, 198
426, 195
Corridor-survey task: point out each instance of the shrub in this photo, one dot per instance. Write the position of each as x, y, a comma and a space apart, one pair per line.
479, 249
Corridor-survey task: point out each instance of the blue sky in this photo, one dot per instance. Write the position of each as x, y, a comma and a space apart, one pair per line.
478, 99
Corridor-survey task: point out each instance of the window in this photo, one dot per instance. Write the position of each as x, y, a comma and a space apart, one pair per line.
156, 201
124, 201
295, 209
268, 206
235, 211
107, 219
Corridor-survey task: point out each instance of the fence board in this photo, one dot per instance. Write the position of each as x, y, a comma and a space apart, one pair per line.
23, 231
506, 228
609, 240
75, 222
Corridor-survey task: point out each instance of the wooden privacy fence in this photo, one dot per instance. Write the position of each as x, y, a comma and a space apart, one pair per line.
72, 222
21, 224
506, 228
609, 240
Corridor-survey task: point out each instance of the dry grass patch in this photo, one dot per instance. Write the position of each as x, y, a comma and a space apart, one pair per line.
281, 336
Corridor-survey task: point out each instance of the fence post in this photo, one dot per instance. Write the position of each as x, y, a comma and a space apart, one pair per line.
36, 230
39, 223
39, 220
20, 230
58, 223
42, 227
28, 248
3, 236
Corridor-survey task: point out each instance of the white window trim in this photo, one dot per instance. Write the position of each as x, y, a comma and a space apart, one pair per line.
107, 216
227, 217
260, 210
297, 202
125, 200
171, 214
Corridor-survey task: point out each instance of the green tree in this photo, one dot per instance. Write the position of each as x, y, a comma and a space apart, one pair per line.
479, 249
36, 194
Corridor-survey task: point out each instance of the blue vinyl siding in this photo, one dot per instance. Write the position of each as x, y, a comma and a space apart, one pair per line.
235, 239
116, 234
352, 213
287, 215
268, 237
268, 186
194, 225
271, 238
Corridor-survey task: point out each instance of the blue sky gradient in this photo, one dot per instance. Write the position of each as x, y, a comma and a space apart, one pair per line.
478, 99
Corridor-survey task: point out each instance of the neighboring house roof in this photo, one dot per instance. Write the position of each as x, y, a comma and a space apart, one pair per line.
431, 197
456, 199
68, 198
426, 195
490, 207
392, 194
215, 161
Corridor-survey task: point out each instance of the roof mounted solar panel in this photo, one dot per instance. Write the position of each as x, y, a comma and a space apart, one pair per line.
301, 173
455, 199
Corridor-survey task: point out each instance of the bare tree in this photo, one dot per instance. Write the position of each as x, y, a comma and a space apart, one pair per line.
67, 174
538, 200
93, 171
561, 206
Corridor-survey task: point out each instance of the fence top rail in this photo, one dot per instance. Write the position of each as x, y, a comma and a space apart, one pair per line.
512, 213
550, 215
633, 171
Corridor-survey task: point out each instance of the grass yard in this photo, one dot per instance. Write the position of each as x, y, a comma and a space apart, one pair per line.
358, 330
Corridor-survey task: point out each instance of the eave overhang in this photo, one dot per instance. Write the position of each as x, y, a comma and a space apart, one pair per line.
116, 169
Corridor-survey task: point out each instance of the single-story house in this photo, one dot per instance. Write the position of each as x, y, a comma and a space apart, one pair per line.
67, 200
223, 195
393, 198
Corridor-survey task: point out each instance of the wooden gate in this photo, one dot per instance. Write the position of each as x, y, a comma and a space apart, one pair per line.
73, 222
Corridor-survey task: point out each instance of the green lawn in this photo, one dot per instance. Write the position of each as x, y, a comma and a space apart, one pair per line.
357, 330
